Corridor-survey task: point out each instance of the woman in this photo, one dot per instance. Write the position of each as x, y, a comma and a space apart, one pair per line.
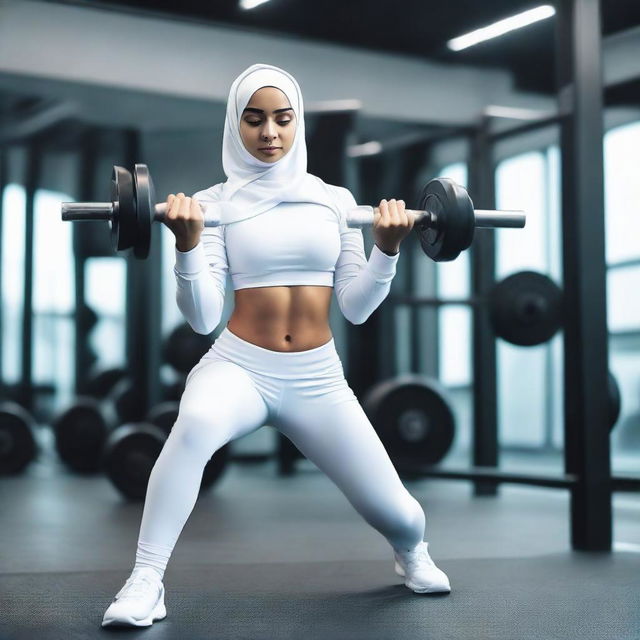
285, 244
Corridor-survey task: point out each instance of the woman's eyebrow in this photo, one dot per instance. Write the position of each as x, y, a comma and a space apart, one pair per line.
254, 110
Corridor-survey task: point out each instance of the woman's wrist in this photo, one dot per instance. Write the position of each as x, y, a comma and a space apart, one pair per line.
390, 251
183, 245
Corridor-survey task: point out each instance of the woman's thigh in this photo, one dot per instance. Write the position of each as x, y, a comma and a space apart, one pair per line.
220, 403
334, 432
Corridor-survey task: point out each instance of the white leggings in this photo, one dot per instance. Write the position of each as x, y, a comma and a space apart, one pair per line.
236, 388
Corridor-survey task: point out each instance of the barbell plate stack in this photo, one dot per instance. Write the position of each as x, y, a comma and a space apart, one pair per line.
123, 221
454, 225
145, 209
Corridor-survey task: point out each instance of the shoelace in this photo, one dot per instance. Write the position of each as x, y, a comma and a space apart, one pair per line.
136, 586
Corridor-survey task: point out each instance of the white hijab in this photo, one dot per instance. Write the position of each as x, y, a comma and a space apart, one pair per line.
254, 186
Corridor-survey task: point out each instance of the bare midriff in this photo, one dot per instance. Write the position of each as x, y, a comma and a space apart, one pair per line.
284, 318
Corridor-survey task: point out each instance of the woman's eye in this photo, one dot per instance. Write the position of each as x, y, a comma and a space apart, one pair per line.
255, 123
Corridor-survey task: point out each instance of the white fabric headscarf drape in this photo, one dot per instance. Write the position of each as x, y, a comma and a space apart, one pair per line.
254, 186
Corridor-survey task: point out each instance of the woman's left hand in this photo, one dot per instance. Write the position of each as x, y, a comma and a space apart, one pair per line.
391, 225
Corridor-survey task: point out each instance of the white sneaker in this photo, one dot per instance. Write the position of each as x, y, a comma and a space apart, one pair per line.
420, 572
139, 602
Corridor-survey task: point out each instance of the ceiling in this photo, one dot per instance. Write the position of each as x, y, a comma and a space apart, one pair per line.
416, 27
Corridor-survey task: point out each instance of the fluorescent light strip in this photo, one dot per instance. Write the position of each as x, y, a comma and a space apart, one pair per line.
515, 113
501, 27
365, 149
251, 4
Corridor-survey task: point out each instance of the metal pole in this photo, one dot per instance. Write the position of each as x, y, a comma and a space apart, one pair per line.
485, 394
587, 445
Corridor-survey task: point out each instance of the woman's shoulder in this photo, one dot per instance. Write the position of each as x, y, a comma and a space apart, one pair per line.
341, 195
210, 194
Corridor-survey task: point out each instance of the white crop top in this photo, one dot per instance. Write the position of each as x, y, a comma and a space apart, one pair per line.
294, 243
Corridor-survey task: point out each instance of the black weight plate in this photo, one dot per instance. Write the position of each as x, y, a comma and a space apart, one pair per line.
526, 308
130, 452
413, 419
145, 200
164, 415
455, 220
17, 442
615, 402
214, 468
173, 391
183, 348
80, 433
127, 401
124, 223
102, 381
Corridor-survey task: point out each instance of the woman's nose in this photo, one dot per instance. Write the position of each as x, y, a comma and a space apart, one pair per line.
269, 130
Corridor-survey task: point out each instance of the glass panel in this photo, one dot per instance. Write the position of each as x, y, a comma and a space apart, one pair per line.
105, 293
53, 274
13, 250
623, 302
521, 184
454, 323
622, 192
53, 298
455, 345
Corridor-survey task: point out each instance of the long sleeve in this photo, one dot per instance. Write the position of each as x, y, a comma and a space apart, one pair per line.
360, 285
201, 275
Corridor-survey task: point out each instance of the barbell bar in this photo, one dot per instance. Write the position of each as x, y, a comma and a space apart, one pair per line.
445, 222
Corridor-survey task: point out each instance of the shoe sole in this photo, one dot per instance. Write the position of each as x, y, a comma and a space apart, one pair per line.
416, 589
433, 589
159, 613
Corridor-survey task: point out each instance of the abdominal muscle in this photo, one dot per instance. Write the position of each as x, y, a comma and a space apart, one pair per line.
283, 318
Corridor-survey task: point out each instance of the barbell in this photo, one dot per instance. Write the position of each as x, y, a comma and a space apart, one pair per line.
445, 222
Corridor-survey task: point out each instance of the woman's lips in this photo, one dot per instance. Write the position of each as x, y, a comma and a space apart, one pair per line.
269, 150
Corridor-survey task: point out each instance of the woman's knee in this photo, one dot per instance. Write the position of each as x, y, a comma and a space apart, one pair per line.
199, 432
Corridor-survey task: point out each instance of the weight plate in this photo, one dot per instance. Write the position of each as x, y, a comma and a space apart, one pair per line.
101, 381
183, 348
454, 226
413, 419
124, 224
526, 308
130, 452
145, 200
214, 468
164, 415
127, 401
80, 432
17, 442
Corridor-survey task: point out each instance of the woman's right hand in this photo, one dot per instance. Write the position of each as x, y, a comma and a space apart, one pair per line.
185, 219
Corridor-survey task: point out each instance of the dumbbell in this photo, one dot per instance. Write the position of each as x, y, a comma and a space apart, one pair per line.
445, 222
131, 450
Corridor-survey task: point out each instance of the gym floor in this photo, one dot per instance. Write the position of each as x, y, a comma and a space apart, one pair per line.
271, 557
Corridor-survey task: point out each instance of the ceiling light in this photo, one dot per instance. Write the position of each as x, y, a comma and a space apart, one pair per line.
365, 149
501, 27
251, 4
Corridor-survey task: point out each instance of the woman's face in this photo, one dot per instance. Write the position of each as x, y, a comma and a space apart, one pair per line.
268, 121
